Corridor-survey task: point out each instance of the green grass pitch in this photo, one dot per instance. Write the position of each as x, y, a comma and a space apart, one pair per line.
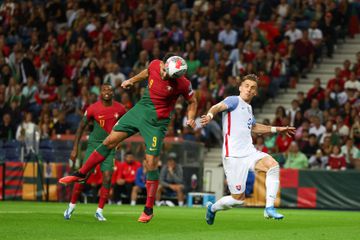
38, 221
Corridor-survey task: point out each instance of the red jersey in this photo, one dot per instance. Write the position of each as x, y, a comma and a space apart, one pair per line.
161, 95
105, 117
126, 171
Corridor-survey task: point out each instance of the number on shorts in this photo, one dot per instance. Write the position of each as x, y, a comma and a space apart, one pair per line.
154, 142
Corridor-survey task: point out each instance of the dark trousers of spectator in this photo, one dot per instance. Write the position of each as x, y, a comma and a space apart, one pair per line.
329, 44
121, 191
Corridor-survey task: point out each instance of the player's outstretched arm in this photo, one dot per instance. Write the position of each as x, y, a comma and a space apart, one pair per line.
78, 135
220, 107
262, 129
137, 78
191, 111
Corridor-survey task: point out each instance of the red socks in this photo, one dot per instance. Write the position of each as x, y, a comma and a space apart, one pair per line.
77, 190
151, 188
94, 159
104, 195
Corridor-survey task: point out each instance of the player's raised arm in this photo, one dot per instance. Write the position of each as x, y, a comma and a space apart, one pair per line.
262, 129
137, 78
191, 111
220, 107
79, 132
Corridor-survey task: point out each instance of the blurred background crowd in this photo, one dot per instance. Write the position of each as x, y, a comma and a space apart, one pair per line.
55, 54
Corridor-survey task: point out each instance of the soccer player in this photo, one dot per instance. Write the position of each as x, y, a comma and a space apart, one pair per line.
104, 114
150, 116
239, 153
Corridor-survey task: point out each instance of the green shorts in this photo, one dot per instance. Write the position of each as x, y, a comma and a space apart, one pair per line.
108, 164
144, 120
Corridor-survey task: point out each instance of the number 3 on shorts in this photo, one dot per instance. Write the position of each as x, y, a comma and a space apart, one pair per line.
154, 142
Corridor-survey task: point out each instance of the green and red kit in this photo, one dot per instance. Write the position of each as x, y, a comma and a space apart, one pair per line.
151, 115
104, 118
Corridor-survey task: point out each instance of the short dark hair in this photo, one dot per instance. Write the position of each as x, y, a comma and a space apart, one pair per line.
167, 56
251, 77
107, 83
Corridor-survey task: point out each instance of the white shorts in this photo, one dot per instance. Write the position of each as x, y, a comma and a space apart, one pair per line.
236, 170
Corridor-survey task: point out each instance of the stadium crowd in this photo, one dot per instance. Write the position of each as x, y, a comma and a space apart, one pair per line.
55, 55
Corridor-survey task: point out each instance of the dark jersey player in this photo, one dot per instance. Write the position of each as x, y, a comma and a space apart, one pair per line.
150, 116
104, 114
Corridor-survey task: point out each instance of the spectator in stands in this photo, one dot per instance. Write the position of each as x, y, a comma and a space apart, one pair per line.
339, 95
328, 29
350, 152
28, 133
295, 158
346, 71
299, 131
7, 128
292, 111
171, 180
314, 110
228, 36
326, 146
310, 148
316, 91
280, 114
352, 83
259, 144
283, 142
304, 51
293, 33
298, 119
337, 79
341, 128
139, 187
355, 131
61, 126
125, 177
336, 159
317, 128
316, 38
318, 161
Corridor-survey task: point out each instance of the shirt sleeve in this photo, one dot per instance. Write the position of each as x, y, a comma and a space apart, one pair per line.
187, 90
88, 115
154, 66
231, 102
253, 120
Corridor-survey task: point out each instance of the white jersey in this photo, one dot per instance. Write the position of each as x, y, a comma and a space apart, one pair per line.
238, 121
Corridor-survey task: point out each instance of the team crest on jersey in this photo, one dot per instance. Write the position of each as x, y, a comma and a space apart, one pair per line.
169, 88
238, 187
116, 115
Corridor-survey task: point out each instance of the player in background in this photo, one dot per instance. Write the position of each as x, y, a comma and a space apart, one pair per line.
239, 153
104, 114
151, 117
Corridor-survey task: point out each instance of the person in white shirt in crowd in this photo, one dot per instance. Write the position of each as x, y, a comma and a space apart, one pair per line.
317, 128
316, 38
292, 111
293, 33
228, 36
351, 153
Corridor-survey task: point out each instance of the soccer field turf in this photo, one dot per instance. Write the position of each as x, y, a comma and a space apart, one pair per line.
34, 220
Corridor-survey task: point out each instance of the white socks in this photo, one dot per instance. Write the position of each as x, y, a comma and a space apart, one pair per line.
133, 203
100, 210
226, 203
72, 206
181, 203
272, 185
